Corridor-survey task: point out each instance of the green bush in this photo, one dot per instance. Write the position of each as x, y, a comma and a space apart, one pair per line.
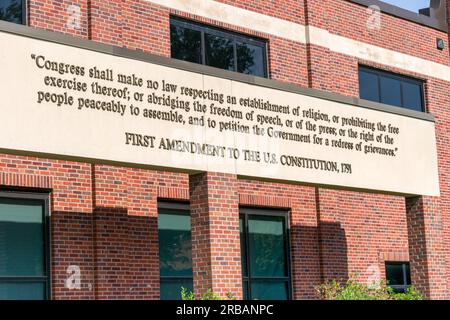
208, 295
410, 294
352, 290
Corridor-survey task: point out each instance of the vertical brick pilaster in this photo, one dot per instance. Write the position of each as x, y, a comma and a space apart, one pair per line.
216, 257
426, 247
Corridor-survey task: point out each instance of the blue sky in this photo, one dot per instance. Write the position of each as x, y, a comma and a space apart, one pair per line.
412, 5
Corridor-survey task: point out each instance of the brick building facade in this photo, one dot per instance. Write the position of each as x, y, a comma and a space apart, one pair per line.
104, 217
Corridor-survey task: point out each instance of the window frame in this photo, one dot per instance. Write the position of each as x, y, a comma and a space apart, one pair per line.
285, 214
234, 36
396, 76
45, 199
182, 209
405, 286
24, 12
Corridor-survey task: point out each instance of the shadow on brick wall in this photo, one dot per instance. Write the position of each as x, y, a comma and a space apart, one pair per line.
333, 251
118, 255
72, 255
126, 254
318, 255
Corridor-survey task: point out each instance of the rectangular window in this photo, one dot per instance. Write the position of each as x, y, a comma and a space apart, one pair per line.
265, 255
24, 247
389, 88
175, 250
13, 11
398, 276
218, 48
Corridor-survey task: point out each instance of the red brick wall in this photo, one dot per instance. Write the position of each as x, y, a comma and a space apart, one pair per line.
338, 73
55, 15
216, 258
350, 20
427, 255
71, 207
367, 228
104, 218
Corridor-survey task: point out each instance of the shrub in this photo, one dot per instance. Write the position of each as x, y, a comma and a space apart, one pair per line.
352, 290
208, 295
410, 294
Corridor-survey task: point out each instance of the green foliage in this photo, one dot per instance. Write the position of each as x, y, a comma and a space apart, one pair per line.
186, 295
208, 295
231, 296
352, 290
410, 294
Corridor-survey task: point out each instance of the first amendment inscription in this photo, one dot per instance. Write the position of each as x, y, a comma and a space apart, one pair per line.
68, 101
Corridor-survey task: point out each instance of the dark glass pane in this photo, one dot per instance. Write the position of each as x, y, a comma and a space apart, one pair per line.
399, 289
250, 59
390, 91
22, 248
412, 96
269, 290
243, 248
22, 290
394, 274
267, 246
368, 86
185, 44
171, 290
11, 10
408, 274
175, 250
245, 290
219, 52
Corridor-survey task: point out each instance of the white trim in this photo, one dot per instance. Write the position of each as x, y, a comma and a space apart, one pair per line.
365, 51
299, 33
239, 17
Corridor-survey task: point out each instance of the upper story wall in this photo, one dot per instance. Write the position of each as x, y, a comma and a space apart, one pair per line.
355, 21
336, 25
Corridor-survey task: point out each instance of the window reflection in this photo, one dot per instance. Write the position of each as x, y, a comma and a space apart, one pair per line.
217, 48
175, 252
22, 249
11, 10
219, 52
264, 256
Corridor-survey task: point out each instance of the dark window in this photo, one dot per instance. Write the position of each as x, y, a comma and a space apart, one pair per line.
222, 49
398, 276
186, 44
175, 250
389, 88
219, 52
24, 254
12, 11
265, 255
